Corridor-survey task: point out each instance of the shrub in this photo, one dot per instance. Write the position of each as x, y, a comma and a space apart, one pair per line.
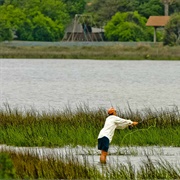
172, 31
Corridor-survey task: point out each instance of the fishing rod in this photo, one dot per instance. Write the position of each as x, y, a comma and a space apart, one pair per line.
153, 117
131, 126
144, 129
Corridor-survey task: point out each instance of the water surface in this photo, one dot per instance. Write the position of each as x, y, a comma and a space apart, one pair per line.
117, 155
55, 84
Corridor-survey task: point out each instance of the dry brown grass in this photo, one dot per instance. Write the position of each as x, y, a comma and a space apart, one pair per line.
116, 52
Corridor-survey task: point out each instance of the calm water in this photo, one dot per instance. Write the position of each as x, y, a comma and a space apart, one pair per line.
55, 84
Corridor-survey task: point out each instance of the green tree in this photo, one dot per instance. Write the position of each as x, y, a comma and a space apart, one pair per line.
14, 15
103, 10
45, 29
43, 20
6, 32
150, 8
174, 7
129, 26
48, 19
10, 19
54, 9
25, 31
172, 31
75, 7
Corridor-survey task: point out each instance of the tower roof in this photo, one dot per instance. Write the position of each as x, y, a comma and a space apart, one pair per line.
157, 21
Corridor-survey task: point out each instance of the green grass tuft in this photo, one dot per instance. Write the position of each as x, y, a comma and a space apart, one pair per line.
82, 126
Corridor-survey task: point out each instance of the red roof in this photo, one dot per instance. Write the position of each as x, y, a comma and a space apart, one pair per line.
157, 20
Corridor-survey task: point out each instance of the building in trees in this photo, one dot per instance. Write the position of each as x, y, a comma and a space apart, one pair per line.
157, 22
82, 29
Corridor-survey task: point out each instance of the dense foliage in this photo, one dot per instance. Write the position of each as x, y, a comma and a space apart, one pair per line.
128, 26
46, 20
103, 10
172, 31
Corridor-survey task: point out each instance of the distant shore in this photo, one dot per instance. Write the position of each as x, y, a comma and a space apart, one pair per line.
89, 50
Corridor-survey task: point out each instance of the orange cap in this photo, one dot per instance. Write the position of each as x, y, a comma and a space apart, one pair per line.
111, 111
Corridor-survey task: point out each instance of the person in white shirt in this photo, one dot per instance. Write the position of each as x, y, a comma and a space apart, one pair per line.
106, 134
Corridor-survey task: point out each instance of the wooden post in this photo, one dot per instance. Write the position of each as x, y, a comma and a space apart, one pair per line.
155, 34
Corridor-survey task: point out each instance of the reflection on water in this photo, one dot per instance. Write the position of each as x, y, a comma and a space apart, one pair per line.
117, 155
55, 84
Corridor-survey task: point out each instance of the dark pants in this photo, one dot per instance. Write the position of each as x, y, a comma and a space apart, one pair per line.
103, 144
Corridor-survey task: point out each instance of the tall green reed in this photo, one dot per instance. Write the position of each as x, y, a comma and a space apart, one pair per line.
28, 166
81, 127
7, 170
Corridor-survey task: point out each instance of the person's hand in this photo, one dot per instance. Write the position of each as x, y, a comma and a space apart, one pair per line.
134, 123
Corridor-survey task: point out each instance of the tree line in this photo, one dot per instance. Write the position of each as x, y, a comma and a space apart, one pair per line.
123, 20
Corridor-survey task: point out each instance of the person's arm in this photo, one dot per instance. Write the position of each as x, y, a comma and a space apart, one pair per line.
124, 123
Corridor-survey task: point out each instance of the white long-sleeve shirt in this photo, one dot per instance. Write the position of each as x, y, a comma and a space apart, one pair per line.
113, 122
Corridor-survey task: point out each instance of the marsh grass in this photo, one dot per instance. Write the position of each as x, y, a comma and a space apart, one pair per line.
81, 127
28, 166
114, 52
161, 169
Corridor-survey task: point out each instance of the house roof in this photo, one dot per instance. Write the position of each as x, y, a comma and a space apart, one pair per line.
157, 21
74, 27
77, 28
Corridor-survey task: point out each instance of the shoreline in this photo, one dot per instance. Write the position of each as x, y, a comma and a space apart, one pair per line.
89, 50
